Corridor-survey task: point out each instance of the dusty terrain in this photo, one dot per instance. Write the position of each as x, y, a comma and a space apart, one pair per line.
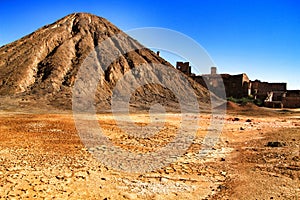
80, 59
257, 157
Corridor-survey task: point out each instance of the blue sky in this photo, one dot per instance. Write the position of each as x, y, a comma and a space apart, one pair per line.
258, 37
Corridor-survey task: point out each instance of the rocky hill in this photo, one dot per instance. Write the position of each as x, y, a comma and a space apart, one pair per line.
41, 68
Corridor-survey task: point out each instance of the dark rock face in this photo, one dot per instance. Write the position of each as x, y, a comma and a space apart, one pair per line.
43, 66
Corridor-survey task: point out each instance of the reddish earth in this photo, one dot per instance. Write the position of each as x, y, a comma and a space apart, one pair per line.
257, 157
43, 157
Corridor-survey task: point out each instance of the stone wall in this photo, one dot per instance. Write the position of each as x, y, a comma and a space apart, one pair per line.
184, 67
260, 89
236, 85
291, 102
291, 99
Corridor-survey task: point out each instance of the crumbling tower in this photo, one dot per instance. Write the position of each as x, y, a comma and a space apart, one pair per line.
213, 70
184, 67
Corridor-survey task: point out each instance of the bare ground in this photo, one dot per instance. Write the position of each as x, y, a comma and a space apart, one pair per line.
257, 157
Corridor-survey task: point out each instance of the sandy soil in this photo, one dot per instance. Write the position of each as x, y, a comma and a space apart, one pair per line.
256, 157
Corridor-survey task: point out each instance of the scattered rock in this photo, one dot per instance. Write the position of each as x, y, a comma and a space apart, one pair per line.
236, 119
59, 177
276, 144
82, 175
222, 187
223, 173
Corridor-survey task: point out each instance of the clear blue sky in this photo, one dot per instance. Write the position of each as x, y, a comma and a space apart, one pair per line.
258, 37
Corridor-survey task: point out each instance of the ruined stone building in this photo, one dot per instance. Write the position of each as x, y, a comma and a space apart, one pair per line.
184, 67
236, 86
260, 90
239, 86
291, 99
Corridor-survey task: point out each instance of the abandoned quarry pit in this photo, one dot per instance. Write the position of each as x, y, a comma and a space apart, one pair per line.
256, 157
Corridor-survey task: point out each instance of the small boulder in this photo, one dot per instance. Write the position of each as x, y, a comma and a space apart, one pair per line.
236, 119
276, 144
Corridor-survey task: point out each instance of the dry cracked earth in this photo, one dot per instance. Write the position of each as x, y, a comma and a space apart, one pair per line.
256, 157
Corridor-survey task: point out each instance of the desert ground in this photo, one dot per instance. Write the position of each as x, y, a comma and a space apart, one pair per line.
85, 60
256, 157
